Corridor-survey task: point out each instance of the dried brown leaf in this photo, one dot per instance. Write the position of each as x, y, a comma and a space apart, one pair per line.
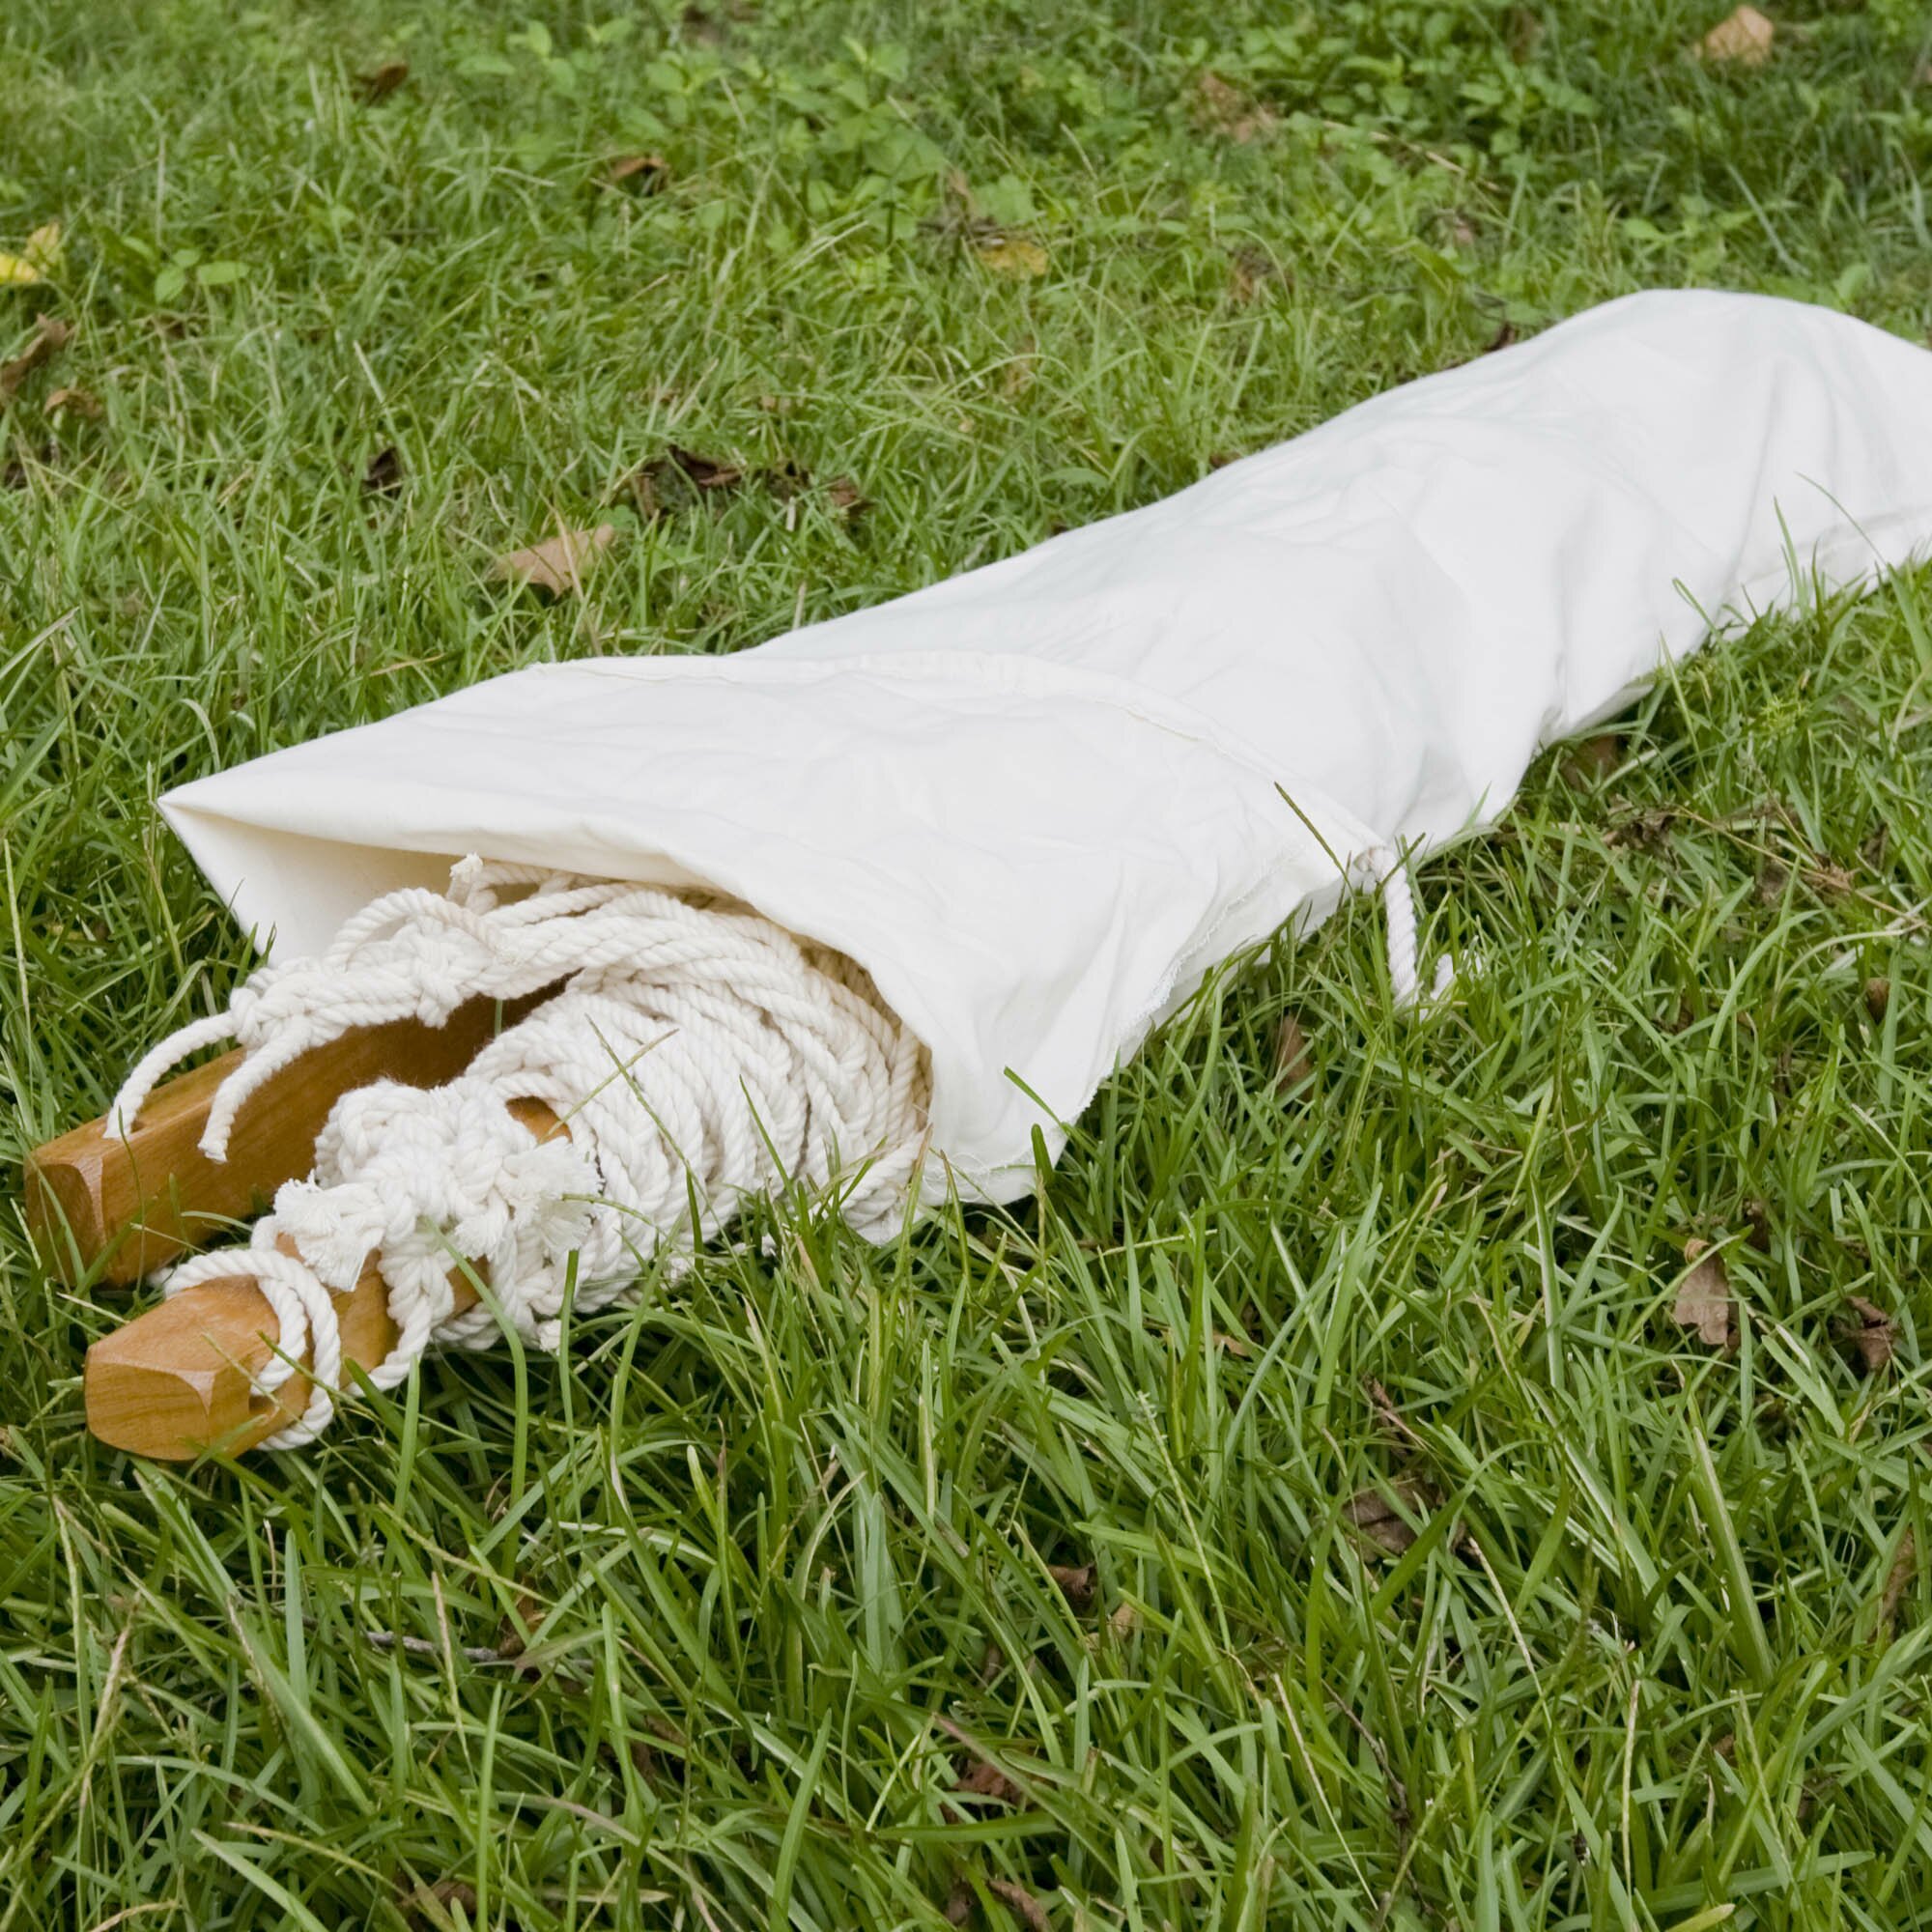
1704, 1300
83, 403
1590, 762
1222, 109
1292, 1061
844, 499
1871, 1333
702, 472
1026, 1908
987, 1780
1641, 830
1827, 878
1378, 1518
1744, 38
50, 336
380, 82
1076, 1583
383, 475
559, 565
641, 174
438, 1904
1878, 996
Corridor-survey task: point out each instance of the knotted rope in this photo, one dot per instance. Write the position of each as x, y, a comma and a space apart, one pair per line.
697, 1055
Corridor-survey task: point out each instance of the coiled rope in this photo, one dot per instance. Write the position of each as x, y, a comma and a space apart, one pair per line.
696, 1054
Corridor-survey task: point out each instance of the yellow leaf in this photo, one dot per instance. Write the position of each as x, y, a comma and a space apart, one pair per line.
33, 261
1744, 37
1013, 255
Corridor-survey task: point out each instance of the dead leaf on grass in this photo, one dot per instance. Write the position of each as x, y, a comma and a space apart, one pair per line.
844, 499
384, 476
50, 336
1594, 759
380, 82
1704, 1300
1024, 1907
1744, 38
1381, 1522
1292, 1063
438, 1904
1827, 878
1017, 256
1076, 1584
83, 403
559, 565
1871, 1334
1878, 996
987, 1780
641, 174
1220, 107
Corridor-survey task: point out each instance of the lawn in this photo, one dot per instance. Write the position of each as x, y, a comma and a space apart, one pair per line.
1309, 1510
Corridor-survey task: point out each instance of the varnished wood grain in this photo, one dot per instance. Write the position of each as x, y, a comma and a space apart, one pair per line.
179, 1380
109, 1209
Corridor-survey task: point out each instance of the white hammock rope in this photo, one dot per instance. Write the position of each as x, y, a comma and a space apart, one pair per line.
696, 1054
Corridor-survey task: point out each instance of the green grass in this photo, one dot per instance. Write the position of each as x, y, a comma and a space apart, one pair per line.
783, 1539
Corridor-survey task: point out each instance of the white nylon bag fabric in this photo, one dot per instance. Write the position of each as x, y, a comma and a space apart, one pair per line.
1039, 802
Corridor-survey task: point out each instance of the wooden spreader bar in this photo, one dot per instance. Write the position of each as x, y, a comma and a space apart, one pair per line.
109, 1210
179, 1380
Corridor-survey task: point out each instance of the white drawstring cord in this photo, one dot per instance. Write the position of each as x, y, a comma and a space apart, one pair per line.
1383, 866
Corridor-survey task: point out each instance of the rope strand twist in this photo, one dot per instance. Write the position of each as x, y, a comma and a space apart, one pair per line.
696, 1054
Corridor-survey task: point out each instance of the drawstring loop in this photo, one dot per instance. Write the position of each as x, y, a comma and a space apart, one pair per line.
1382, 865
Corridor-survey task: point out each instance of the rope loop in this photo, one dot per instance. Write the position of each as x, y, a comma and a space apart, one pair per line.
1384, 867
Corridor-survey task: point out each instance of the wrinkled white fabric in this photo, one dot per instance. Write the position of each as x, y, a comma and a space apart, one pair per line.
1039, 802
